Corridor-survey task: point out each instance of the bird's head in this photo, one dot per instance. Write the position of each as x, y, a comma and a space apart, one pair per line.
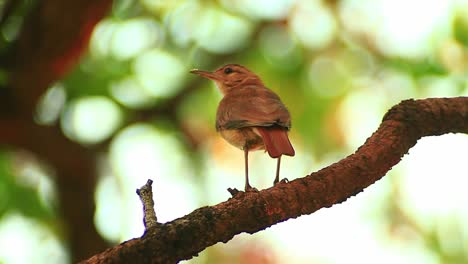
230, 76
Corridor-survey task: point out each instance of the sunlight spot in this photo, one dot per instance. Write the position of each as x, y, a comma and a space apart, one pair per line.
360, 17
338, 227
31, 172
125, 39
50, 105
327, 77
134, 36
279, 47
220, 32
360, 115
143, 152
452, 55
129, 92
91, 119
182, 22
406, 31
438, 86
397, 27
160, 73
100, 42
158, 6
313, 24
434, 186
24, 240
261, 9
109, 212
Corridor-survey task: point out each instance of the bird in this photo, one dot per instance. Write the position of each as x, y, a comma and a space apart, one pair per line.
250, 116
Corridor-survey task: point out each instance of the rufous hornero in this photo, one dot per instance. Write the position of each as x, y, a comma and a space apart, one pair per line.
250, 116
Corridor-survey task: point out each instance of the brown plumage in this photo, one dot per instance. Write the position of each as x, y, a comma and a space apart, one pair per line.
250, 116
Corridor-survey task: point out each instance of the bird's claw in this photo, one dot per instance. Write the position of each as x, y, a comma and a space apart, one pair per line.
234, 191
284, 180
251, 189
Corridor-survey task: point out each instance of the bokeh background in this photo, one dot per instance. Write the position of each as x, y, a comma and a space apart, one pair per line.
337, 65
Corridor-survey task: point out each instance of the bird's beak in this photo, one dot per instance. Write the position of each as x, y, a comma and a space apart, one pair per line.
205, 74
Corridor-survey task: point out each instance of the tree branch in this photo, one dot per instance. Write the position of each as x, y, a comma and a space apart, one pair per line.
146, 197
251, 212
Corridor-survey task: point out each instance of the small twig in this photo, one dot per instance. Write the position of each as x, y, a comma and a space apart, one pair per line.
146, 197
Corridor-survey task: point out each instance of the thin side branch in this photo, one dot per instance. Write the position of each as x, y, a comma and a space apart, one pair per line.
251, 212
146, 197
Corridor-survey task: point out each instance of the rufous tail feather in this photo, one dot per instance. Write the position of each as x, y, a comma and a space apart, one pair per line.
276, 141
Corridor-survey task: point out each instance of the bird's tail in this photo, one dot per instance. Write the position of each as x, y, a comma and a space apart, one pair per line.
276, 141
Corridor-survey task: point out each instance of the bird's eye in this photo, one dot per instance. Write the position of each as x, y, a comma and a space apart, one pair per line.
228, 70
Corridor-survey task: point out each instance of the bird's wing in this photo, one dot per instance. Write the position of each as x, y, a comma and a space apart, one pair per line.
251, 106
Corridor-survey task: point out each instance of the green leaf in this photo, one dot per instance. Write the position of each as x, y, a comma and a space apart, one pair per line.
18, 197
460, 30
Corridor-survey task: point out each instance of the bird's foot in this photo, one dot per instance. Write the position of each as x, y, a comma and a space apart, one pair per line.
284, 180
250, 189
234, 191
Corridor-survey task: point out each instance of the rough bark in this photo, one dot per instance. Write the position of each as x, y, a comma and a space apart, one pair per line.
251, 212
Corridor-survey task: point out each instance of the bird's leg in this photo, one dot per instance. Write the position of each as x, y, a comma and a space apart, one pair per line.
277, 171
246, 157
285, 180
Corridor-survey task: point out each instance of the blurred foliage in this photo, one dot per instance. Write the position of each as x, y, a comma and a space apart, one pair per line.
417, 69
461, 30
11, 18
16, 196
84, 82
